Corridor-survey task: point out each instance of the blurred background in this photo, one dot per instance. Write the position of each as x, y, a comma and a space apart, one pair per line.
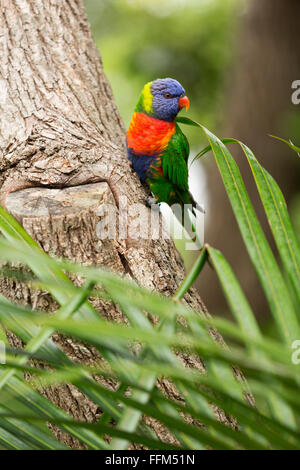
237, 60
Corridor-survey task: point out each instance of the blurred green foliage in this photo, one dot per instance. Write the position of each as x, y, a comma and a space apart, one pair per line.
192, 41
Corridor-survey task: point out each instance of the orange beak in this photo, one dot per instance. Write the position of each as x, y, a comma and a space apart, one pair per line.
184, 102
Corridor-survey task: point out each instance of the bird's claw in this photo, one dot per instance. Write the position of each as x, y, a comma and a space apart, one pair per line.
151, 202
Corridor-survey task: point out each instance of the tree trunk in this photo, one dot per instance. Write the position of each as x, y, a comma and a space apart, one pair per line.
63, 156
259, 103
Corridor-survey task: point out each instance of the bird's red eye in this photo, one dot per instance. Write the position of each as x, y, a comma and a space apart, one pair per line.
167, 95
182, 95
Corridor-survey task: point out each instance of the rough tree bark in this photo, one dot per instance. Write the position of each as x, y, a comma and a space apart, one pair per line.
62, 155
258, 104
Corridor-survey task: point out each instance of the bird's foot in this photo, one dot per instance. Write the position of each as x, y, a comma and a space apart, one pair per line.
151, 202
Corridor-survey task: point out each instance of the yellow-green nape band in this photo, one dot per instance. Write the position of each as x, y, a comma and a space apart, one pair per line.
147, 97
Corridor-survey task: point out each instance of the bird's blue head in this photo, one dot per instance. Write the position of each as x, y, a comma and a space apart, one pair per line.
163, 99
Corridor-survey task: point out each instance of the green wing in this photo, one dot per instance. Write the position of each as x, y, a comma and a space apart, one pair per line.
174, 159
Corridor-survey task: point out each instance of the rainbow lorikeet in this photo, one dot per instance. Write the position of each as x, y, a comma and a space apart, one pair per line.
156, 146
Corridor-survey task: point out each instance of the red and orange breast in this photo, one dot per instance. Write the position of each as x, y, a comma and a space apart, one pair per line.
147, 135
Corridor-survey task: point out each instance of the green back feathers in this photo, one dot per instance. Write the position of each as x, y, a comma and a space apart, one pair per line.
174, 159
